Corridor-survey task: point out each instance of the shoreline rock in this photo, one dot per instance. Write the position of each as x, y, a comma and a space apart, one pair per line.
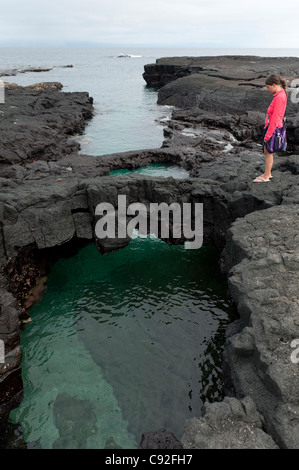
230, 424
14, 72
44, 205
36, 122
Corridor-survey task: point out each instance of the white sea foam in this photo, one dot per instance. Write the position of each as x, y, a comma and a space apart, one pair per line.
129, 55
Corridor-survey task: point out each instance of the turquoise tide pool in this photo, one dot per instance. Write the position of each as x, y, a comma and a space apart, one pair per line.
121, 344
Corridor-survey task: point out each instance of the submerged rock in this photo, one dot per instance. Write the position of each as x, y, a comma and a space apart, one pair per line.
76, 421
161, 439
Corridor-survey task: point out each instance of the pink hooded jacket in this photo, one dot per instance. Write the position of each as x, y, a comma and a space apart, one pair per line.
275, 113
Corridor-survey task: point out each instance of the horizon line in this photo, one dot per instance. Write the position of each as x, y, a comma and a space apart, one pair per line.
123, 46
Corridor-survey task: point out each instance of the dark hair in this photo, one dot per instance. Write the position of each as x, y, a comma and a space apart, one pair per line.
276, 79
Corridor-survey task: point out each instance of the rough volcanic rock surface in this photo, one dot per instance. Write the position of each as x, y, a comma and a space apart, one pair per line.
247, 69
230, 424
213, 134
36, 121
47, 217
227, 90
11, 384
263, 250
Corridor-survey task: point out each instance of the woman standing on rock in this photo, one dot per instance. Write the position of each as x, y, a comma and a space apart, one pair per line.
277, 86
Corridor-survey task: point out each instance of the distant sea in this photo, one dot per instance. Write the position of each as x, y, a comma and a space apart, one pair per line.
127, 116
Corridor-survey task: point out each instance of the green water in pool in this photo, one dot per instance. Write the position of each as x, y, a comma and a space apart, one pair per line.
122, 344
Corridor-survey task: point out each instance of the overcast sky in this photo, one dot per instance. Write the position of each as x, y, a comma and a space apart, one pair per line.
165, 23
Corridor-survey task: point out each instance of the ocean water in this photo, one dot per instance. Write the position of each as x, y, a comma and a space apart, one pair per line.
131, 341
127, 116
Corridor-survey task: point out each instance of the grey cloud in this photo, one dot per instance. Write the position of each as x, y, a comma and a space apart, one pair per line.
160, 22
